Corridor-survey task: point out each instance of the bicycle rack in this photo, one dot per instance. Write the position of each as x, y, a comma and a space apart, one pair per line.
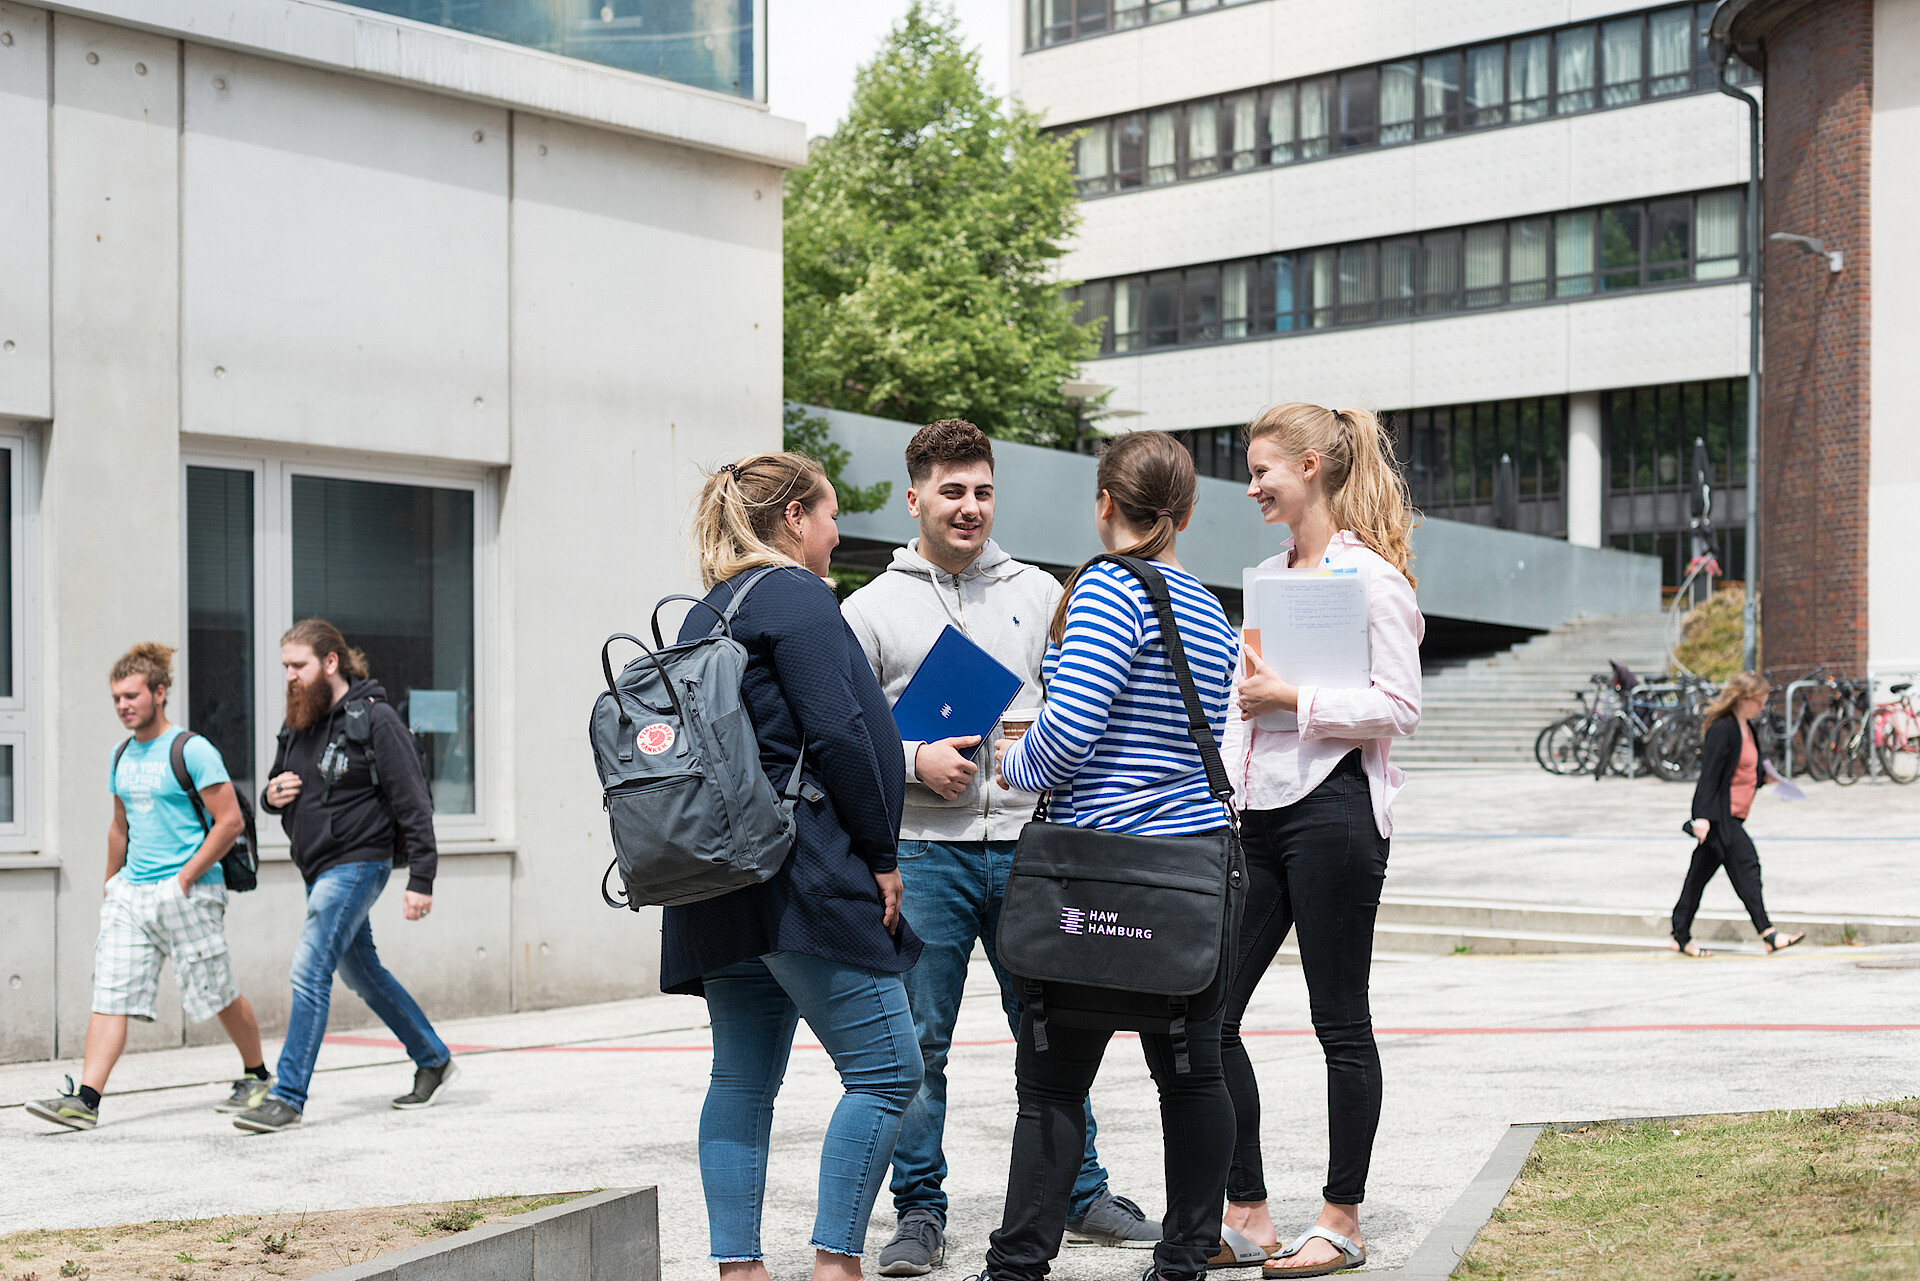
1791, 723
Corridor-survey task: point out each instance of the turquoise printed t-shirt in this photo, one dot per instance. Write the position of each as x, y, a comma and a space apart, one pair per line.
163, 832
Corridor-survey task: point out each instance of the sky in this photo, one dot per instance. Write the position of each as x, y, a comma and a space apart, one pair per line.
815, 46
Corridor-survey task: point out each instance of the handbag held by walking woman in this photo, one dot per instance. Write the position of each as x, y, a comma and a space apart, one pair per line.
1103, 929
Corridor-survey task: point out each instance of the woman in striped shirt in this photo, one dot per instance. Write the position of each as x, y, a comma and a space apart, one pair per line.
1111, 744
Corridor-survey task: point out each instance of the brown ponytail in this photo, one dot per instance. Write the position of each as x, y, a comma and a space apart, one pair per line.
1365, 489
323, 638
1150, 478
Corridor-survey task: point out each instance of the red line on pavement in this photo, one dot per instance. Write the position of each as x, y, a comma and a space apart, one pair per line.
380, 1043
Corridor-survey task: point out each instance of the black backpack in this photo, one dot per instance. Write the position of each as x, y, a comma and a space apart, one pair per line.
356, 727
240, 865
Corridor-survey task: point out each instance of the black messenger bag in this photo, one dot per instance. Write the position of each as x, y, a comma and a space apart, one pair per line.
1107, 930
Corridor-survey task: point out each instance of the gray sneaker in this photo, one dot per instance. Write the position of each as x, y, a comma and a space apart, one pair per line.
917, 1248
68, 1110
426, 1085
271, 1117
1113, 1220
248, 1092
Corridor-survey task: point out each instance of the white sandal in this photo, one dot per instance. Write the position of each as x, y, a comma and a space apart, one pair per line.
1237, 1251
1351, 1255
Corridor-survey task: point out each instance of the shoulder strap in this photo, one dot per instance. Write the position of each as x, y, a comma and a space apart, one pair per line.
118, 752
740, 593
790, 797
177, 754
1218, 784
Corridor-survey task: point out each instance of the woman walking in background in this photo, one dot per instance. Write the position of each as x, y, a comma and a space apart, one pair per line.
1730, 773
1112, 744
823, 938
1316, 812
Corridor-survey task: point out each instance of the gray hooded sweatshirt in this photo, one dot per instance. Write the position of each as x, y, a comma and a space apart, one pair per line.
1003, 606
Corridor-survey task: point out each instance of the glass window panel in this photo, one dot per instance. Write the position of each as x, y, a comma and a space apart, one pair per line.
1486, 452
1239, 123
1398, 81
1673, 446
1200, 321
1573, 255
1646, 437
1439, 94
1527, 78
1163, 309
1090, 160
1321, 280
1716, 234
1359, 108
1163, 141
7, 551
1528, 250
1059, 21
220, 631
1616, 410
1356, 284
1573, 70
1096, 308
392, 567
1620, 62
1281, 303
1462, 454
1203, 139
1092, 17
1128, 13
1129, 314
1485, 265
1507, 442
1703, 70
1234, 297
1316, 116
1737, 411
1161, 10
1487, 84
1669, 231
1278, 119
1620, 247
1399, 266
1670, 50
1553, 434
1440, 272
1129, 151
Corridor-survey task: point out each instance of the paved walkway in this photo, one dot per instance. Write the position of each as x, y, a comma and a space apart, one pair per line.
609, 1095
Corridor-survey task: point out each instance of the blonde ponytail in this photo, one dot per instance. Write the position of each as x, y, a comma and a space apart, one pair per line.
739, 517
1365, 488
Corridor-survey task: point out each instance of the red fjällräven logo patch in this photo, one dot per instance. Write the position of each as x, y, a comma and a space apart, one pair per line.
655, 738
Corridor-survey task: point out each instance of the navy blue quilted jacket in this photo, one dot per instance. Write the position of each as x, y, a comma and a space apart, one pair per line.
806, 671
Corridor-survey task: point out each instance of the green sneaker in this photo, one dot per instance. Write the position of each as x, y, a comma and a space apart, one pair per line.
248, 1092
66, 1110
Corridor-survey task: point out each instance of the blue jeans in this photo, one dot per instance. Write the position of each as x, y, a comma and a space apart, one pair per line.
954, 892
338, 936
861, 1018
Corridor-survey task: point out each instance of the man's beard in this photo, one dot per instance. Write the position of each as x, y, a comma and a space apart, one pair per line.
308, 703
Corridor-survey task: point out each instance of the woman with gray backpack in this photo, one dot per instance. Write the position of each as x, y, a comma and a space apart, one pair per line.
823, 936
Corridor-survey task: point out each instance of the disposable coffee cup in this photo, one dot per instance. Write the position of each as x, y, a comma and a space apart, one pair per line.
1016, 721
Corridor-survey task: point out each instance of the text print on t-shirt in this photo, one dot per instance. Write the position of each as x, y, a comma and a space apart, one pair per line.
139, 780
1075, 920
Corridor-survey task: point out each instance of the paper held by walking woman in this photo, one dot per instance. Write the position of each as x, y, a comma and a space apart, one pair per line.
1310, 626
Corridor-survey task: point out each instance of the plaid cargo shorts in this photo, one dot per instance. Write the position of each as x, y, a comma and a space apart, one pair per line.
141, 924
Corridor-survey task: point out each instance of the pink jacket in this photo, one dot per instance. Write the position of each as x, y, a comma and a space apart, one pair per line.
1272, 769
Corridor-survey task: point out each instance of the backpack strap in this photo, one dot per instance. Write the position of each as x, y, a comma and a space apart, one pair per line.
1219, 785
178, 756
790, 797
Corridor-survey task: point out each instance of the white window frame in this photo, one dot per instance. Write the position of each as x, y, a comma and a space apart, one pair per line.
274, 468
20, 713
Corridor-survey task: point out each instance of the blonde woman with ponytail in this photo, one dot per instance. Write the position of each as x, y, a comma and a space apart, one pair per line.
823, 939
1316, 811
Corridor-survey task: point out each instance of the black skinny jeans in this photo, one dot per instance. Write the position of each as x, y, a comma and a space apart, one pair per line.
1727, 845
1050, 1139
1316, 866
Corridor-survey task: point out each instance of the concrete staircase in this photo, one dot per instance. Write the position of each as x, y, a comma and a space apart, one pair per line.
1485, 712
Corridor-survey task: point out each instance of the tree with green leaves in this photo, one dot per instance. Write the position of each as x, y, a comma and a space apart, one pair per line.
812, 435
921, 244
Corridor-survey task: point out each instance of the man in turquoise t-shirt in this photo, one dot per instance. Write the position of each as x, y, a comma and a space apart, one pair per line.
166, 896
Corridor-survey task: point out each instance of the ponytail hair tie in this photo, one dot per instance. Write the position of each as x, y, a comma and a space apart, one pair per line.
1168, 514
732, 469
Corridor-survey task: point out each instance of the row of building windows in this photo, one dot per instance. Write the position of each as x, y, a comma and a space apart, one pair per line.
1057, 21
1572, 70
1546, 258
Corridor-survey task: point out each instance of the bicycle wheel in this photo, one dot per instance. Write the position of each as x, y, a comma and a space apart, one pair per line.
1603, 749
1819, 747
1557, 748
1673, 749
1899, 750
1850, 748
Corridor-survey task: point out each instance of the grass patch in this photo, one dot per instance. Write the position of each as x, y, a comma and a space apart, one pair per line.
244, 1247
1830, 1193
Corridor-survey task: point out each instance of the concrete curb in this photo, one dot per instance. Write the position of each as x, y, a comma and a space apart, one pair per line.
1441, 1252
610, 1236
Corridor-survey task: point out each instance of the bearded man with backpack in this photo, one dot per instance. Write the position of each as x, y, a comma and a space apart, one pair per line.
353, 799
175, 816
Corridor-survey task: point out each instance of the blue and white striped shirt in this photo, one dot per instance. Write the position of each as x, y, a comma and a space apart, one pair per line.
1112, 739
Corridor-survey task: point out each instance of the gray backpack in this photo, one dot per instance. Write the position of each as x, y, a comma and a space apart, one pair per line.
692, 812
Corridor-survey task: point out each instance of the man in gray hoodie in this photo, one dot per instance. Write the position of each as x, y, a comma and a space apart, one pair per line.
958, 831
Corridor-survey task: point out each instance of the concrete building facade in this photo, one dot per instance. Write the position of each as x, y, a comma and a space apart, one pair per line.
306, 308
1518, 227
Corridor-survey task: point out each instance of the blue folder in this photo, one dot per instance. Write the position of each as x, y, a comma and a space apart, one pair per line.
959, 689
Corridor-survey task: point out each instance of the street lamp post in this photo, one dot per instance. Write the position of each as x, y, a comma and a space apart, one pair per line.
1750, 613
